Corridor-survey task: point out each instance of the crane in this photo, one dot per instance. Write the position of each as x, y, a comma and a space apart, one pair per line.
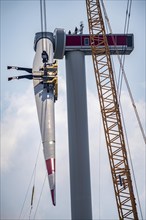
44, 75
110, 112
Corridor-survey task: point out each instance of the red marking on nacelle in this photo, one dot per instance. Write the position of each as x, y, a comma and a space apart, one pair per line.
84, 40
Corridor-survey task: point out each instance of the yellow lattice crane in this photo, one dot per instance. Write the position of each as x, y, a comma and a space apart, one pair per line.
110, 113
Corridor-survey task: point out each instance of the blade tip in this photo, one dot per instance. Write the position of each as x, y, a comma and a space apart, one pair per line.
53, 197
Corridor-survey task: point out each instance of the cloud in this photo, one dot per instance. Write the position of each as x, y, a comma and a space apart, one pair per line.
17, 122
20, 141
20, 124
102, 187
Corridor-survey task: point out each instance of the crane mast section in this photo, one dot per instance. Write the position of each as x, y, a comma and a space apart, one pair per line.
110, 114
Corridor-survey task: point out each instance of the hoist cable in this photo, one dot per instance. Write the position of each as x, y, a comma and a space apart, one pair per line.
41, 15
130, 158
129, 13
123, 72
128, 147
42, 27
43, 21
129, 153
43, 31
126, 28
119, 85
125, 78
30, 181
99, 165
126, 16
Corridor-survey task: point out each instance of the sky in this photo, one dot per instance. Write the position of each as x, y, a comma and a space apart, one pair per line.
20, 134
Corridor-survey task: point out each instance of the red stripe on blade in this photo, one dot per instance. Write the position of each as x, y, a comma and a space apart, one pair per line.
50, 163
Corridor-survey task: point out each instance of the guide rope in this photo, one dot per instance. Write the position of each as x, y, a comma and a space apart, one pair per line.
33, 175
32, 196
40, 196
125, 77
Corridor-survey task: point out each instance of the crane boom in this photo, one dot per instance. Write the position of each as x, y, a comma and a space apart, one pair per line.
110, 111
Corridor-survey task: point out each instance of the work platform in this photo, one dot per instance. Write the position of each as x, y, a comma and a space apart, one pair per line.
118, 43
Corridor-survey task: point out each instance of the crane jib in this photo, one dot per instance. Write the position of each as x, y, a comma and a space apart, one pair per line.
110, 111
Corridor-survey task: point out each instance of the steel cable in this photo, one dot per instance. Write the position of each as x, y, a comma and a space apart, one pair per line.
33, 174
125, 78
40, 196
43, 22
43, 31
126, 28
131, 97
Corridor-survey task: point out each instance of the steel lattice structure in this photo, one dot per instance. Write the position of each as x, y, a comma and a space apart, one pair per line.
110, 111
